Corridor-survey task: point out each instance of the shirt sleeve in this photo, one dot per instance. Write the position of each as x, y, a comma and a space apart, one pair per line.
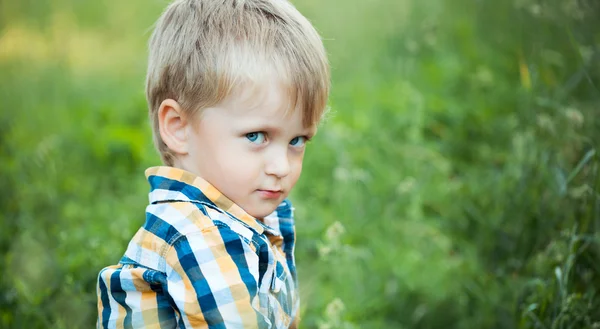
127, 300
212, 278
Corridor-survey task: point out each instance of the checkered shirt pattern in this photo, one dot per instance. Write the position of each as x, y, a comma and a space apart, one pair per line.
200, 261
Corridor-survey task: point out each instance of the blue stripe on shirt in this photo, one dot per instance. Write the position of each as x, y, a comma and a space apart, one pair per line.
191, 269
120, 295
104, 298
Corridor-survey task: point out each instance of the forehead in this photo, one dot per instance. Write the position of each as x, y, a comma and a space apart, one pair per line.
269, 100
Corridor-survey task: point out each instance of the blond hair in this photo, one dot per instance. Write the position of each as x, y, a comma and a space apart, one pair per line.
201, 49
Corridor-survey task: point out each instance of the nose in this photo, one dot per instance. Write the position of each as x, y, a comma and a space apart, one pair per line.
278, 164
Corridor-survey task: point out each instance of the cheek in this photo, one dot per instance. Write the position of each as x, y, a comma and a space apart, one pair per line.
233, 155
296, 170
239, 166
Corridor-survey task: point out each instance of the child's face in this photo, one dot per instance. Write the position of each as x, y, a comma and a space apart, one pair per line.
250, 147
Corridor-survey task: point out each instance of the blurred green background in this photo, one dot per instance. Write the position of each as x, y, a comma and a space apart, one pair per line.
455, 185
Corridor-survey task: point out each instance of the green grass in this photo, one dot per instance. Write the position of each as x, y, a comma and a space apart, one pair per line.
456, 183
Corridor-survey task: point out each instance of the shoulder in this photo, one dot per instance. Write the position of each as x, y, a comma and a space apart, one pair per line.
219, 244
172, 225
168, 220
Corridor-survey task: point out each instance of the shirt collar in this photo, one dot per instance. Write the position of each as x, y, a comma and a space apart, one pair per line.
174, 184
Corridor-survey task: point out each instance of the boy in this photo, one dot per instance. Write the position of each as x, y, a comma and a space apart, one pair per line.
235, 90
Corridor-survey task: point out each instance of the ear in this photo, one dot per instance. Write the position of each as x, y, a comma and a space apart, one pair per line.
172, 124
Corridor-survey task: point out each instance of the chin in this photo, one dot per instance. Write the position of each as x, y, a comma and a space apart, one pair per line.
263, 212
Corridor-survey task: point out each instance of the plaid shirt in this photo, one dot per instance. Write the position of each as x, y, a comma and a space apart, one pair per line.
200, 261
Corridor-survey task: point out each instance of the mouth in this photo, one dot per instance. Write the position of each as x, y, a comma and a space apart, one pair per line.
270, 194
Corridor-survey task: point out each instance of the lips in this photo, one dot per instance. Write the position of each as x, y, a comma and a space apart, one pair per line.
270, 194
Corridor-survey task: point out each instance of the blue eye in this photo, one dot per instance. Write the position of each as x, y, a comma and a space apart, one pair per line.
298, 141
256, 137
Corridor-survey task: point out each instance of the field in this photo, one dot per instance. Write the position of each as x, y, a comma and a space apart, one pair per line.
455, 183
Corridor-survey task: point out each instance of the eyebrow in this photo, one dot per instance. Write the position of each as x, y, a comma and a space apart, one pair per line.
310, 132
